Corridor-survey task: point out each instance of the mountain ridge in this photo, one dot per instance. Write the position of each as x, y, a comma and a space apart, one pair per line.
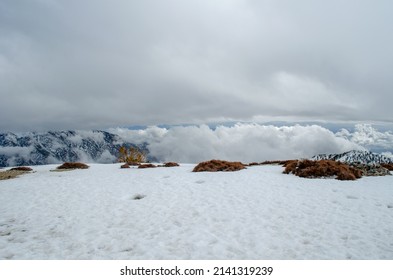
356, 157
60, 146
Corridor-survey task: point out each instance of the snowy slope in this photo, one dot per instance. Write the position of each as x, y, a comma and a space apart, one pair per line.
363, 157
257, 213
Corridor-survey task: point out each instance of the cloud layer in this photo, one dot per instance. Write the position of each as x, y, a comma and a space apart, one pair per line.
67, 64
369, 137
243, 142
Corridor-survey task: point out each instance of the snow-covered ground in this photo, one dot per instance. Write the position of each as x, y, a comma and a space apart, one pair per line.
257, 213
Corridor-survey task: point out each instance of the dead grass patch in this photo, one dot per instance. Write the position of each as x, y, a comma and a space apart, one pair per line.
388, 166
133, 164
170, 164
290, 166
10, 174
270, 162
322, 169
126, 165
21, 168
72, 165
275, 162
147, 165
218, 165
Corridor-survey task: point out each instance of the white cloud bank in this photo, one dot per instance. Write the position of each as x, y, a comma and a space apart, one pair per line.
366, 135
242, 142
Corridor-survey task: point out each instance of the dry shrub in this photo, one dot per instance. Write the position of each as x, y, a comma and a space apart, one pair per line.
147, 165
388, 166
285, 163
171, 164
271, 162
218, 165
276, 162
132, 156
73, 165
21, 168
290, 166
322, 168
345, 175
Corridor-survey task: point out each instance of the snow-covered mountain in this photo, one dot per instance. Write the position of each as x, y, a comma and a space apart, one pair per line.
60, 146
355, 156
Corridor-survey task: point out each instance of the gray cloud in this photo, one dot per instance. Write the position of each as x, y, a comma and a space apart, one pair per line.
244, 142
96, 64
369, 137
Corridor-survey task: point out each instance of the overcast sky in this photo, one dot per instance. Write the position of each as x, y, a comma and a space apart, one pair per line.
72, 64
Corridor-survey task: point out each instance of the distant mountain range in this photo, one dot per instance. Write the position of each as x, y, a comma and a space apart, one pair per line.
103, 147
354, 157
61, 146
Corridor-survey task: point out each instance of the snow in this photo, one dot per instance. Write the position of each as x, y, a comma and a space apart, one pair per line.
106, 212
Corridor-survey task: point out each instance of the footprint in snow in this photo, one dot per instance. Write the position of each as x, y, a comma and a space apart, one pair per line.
138, 196
126, 250
390, 206
200, 182
352, 197
5, 233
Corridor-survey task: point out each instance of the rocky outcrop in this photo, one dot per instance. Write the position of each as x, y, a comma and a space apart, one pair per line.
370, 164
356, 157
372, 170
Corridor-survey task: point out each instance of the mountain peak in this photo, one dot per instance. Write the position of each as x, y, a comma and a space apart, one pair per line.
356, 157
